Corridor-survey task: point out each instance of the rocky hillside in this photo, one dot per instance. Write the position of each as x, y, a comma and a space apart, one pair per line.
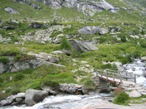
46, 43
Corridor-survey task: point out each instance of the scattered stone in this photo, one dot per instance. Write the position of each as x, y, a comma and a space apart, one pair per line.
103, 31
89, 30
43, 36
57, 52
67, 52
49, 90
35, 6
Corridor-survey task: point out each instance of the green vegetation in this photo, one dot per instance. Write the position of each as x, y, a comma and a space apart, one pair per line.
138, 100
4, 60
121, 99
124, 53
65, 44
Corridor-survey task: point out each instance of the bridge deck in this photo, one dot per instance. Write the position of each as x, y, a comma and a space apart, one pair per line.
115, 80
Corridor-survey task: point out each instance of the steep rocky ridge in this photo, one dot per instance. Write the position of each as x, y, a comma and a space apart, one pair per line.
88, 7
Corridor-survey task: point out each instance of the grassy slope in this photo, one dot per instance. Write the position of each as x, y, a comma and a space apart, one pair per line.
114, 52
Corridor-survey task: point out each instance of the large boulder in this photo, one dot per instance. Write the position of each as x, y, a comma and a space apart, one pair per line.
82, 46
103, 86
18, 66
34, 96
11, 10
134, 94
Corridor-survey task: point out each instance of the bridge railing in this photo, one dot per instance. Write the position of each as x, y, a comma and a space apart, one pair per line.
117, 75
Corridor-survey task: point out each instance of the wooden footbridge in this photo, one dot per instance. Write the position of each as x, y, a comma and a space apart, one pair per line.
117, 77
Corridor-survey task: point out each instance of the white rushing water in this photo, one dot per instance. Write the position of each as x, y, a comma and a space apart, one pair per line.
138, 68
64, 102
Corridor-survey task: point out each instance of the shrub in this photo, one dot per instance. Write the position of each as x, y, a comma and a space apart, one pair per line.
65, 44
143, 43
18, 76
122, 99
123, 38
127, 59
1, 80
4, 59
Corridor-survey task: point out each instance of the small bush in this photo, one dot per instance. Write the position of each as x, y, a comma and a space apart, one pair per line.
65, 44
1, 80
122, 99
4, 59
143, 43
123, 38
18, 76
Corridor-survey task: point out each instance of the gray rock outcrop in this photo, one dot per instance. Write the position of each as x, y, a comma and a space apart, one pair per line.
37, 60
30, 3
87, 7
43, 36
2, 39
71, 88
34, 96
13, 100
17, 66
93, 30
11, 10
82, 46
